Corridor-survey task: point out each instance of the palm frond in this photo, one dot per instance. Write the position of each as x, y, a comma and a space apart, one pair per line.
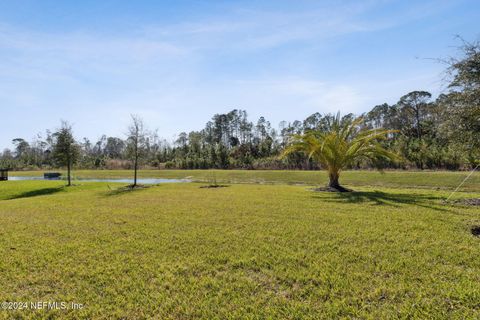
342, 143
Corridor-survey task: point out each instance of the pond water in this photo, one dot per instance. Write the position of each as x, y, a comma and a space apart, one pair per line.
140, 181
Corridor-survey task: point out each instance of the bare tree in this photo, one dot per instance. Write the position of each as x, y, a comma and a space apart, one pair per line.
136, 142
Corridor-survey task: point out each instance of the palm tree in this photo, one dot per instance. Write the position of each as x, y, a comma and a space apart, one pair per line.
341, 143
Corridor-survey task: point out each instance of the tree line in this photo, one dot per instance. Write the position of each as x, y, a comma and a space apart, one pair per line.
426, 133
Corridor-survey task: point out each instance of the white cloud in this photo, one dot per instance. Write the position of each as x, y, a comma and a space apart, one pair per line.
165, 74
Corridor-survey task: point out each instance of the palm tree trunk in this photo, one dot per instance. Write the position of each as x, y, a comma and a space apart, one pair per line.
333, 182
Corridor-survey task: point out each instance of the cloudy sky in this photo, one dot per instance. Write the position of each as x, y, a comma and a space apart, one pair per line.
176, 63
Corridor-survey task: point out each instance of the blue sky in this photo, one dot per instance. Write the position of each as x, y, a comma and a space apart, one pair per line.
176, 63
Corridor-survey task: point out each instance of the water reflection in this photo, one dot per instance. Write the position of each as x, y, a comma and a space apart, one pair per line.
140, 181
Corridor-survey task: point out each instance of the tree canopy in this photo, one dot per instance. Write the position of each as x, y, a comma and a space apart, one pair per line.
428, 132
65, 149
340, 144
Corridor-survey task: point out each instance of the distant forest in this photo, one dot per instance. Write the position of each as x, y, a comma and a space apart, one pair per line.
440, 133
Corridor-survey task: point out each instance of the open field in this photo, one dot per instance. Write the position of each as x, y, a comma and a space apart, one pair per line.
444, 180
246, 251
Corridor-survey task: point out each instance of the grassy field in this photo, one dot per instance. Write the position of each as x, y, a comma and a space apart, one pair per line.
178, 251
445, 180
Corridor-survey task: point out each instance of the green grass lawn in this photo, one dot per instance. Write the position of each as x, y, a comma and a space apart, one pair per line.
178, 251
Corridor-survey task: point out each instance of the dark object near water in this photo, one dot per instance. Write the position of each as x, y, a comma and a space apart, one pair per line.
52, 175
3, 174
476, 231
